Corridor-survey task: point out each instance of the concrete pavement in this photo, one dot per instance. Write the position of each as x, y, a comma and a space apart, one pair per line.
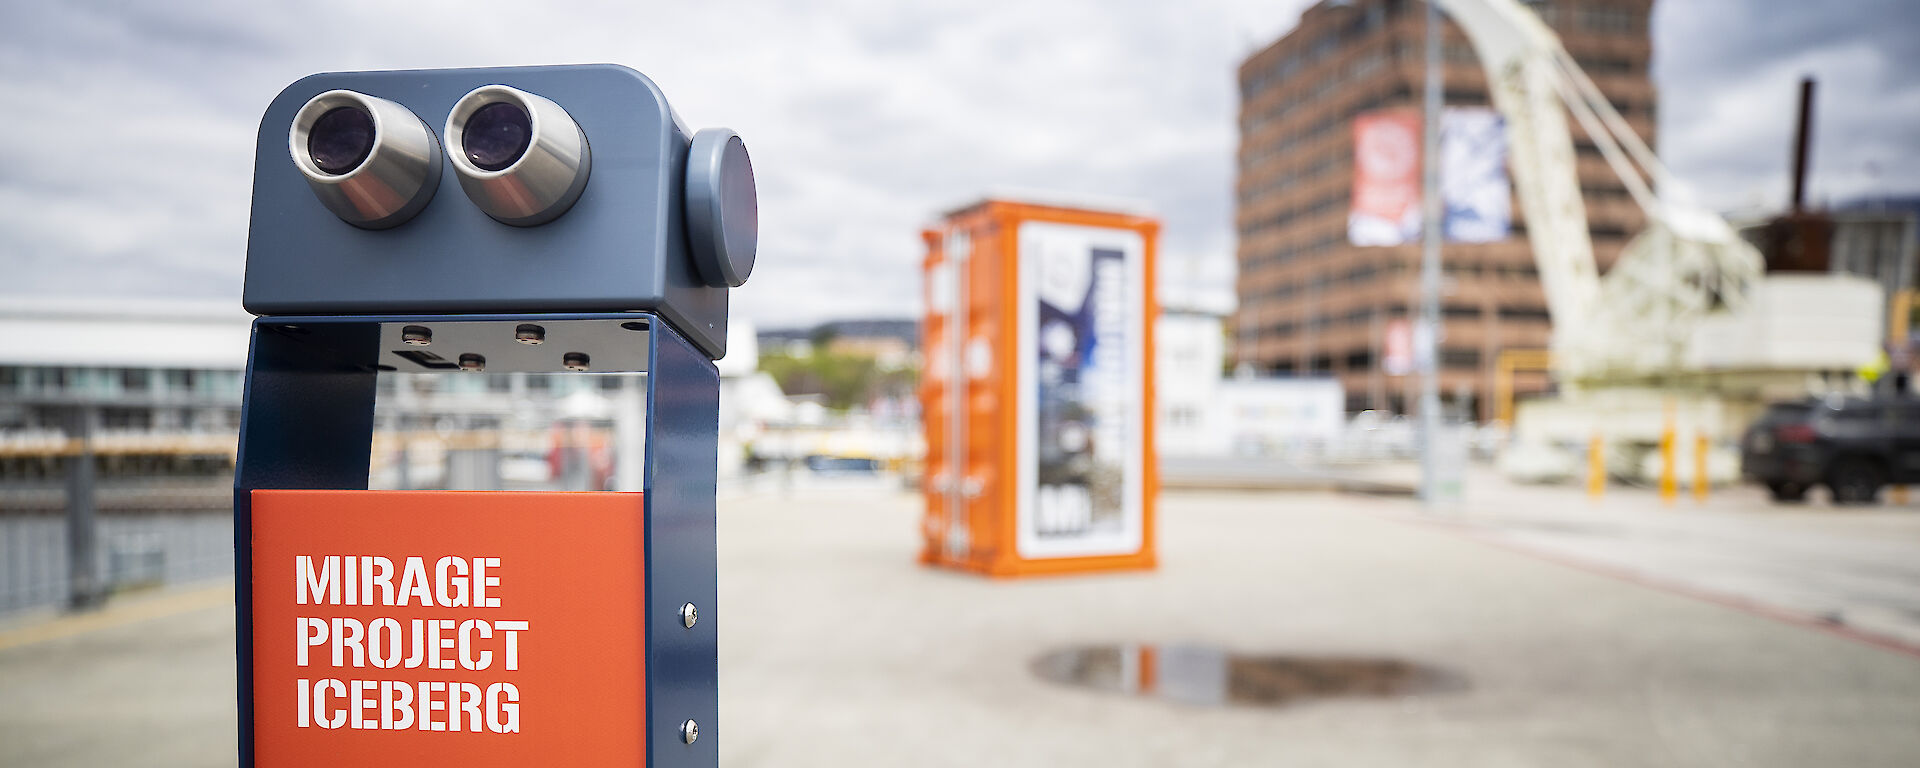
1856, 569
148, 681
837, 649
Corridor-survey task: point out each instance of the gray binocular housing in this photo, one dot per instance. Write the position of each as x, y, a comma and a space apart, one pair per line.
573, 189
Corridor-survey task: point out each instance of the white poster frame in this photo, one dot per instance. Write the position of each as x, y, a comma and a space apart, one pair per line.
1129, 539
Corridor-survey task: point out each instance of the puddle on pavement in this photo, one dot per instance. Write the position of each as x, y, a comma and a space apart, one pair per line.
1210, 676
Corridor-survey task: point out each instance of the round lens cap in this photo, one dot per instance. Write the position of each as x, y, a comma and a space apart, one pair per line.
723, 210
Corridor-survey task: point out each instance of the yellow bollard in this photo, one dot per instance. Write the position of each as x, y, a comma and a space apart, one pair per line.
1669, 476
1701, 484
1596, 467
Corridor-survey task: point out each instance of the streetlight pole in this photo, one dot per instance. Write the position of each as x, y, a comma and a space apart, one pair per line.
1426, 337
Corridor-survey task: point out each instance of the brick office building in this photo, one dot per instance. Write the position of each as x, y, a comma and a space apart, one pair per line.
1312, 304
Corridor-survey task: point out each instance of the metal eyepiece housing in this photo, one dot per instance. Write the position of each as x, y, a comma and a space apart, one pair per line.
371, 161
520, 157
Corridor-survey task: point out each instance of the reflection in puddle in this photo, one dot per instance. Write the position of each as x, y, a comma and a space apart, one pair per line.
1199, 674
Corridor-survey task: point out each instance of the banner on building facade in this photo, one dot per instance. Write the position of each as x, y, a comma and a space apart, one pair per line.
1473, 176
1476, 201
1396, 349
1386, 178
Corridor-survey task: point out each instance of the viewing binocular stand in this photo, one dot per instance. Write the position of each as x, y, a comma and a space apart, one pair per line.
593, 233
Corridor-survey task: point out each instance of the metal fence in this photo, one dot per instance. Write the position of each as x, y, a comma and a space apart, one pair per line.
146, 536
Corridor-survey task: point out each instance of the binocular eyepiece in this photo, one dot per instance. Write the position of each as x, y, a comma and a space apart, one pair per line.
520, 157
371, 161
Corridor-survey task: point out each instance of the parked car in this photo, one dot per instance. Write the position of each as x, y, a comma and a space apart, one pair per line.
843, 465
1854, 446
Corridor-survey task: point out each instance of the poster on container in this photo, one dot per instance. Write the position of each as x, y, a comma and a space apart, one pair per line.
1386, 178
1473, 176
1080, 422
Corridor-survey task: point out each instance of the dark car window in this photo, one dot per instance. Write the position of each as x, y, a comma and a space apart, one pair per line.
1786, 413
1858, 413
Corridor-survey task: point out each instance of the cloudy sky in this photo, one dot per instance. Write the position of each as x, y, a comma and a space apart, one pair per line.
129, 127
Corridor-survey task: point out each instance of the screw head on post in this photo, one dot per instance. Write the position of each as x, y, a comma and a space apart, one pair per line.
689, 731
689, 615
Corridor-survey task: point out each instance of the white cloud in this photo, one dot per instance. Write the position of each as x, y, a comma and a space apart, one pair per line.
866, 119
1730, 84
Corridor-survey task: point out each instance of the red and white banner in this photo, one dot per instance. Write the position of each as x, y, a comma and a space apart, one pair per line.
1396, 353
1386, 178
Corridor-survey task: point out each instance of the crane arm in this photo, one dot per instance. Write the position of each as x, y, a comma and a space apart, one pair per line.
1518, 52
1686, 264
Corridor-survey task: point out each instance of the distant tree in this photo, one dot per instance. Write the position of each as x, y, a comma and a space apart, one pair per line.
845, 381
822, 337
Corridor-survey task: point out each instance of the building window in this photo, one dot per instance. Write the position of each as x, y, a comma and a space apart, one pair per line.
1605, 65
181, 380
1549, 12
1609, 193
1538, 314
1457, 357
1605, 20
126, 418
1367, 64
96, 382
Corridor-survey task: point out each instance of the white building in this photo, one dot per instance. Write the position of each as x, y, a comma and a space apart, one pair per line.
147, 364
1201, 413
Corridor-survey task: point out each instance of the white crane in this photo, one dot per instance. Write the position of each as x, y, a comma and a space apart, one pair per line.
1686, 263
1685, 310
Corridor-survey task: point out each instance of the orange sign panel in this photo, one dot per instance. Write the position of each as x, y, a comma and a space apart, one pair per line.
448, 628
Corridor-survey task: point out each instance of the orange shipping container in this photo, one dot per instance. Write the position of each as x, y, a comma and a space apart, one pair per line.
1037, 391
